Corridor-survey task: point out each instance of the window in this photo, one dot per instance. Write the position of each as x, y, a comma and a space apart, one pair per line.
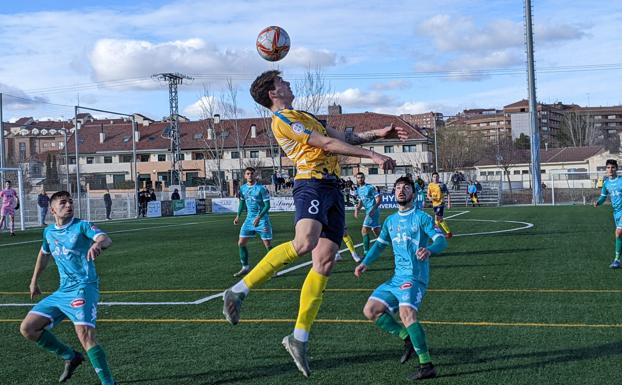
542, 171
107, 159
409, 148
349, 130
125, 158
198, 156
497, 172
143, 157
118, 179
611, 117
89, 160
525, 172
482, 173
516, 172
22, 152
198, 136
182, 156
254, 154
372, 171
346, 171
490, 173
235, 155
72, 160
161, 157
388, 149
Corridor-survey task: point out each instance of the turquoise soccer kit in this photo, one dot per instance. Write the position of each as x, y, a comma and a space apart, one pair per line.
78, 293
255, 197
367, 195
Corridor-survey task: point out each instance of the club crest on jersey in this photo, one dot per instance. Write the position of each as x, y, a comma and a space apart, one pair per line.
78, 302
298, 127
406, 285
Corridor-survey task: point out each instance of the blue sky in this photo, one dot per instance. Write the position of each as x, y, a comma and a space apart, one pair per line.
398, 57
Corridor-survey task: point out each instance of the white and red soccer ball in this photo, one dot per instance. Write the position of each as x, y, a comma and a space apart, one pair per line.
273, 43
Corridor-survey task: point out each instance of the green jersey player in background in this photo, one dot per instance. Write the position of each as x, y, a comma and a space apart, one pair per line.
408, 231
74, 244
612, 187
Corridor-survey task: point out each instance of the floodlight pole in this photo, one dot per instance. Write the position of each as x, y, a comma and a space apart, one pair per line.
134, 165
2, 153
533, 113
75, 139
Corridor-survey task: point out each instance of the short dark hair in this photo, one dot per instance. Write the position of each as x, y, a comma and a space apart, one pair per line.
405, 180
612, 162
360, 173
58, 195
435, 173
7, 181
249, 169
262, 85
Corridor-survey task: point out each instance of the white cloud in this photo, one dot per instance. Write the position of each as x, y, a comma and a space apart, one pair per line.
356, 98
305, 57
200, 108
451, 34
473, 66
18, 99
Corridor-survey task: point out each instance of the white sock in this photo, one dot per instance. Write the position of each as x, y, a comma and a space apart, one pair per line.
240, 287
301, 335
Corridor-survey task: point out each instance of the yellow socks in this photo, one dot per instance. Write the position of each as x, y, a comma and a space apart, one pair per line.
444, 226
347, 239
310, 301
274, 261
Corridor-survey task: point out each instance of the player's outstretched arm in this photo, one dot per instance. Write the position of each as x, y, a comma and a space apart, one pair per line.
600, 200
336, 146
102, 242
388, 132
40, 265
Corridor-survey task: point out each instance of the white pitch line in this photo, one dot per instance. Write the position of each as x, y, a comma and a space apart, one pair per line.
526, 225
113, 232
457, 214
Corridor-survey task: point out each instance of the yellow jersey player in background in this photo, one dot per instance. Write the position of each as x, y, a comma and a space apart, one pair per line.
319, 204
436, 194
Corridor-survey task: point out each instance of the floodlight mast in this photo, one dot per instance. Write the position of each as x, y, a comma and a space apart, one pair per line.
173, 80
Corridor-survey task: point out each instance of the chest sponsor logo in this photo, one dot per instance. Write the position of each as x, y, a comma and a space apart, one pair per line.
78, 302
406, 285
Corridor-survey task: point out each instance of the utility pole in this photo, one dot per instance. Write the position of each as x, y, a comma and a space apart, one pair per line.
173, 80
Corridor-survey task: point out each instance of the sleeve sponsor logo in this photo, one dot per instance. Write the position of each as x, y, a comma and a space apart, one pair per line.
298, 127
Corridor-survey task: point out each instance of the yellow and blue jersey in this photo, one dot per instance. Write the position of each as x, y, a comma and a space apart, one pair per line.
69, 245
406, 232
255, 196
613, 189
437, 192
292, 129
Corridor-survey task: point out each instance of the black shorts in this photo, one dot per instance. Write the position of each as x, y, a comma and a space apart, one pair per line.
321, 199
439, 210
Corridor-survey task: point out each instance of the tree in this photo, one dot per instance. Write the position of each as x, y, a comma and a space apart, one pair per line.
313, 92
229, 105
213, 137
265, 122
507, 156
458, 147
579, 129
523, 142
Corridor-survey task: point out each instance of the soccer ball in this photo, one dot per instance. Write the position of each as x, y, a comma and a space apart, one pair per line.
273, 43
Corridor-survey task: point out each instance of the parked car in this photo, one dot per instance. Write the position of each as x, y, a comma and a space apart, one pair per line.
206, 191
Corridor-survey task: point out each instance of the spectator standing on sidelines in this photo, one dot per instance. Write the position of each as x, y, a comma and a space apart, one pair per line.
108, 203
43, 201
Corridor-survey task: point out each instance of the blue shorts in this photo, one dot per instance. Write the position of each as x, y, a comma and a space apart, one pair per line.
320, 199
400, 291
79, 305
263, 228
439, 210
617, 218
372, 221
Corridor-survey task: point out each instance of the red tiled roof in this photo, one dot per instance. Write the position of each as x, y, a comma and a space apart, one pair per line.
552, 155
118, 134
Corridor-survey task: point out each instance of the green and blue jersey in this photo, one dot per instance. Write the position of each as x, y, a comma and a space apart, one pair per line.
613, 189
367, 195
255, 196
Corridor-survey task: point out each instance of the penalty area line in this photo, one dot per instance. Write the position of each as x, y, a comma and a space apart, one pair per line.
353, 321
